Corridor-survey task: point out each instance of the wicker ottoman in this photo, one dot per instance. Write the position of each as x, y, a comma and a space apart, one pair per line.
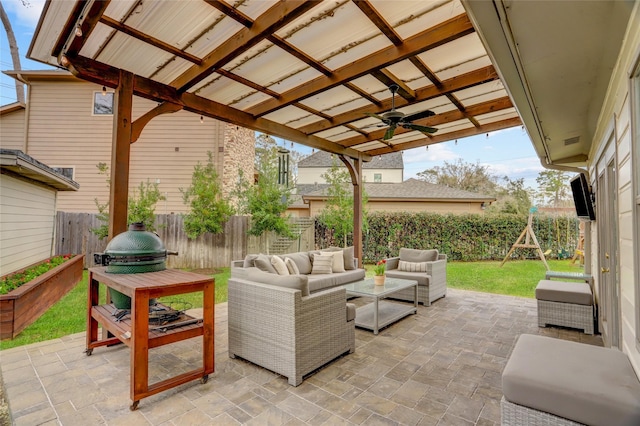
567, 304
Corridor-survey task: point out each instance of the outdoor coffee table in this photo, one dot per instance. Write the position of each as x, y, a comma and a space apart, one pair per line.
380, 313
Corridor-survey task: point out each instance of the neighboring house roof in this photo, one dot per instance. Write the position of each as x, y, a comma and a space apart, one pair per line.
410, 189
324, 159
24, 165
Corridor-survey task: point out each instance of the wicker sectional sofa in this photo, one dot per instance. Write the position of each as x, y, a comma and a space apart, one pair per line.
290, 324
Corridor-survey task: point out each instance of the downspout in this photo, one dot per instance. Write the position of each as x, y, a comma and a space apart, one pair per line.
27, 114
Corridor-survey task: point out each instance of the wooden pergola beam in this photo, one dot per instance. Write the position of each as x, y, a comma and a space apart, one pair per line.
464, 81
279, 15
472, 131
103, 74
445, 32
442, 118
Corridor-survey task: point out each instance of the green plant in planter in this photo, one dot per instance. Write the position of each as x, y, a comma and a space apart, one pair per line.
13, 281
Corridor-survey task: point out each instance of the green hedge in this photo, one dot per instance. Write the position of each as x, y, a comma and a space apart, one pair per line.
470, 237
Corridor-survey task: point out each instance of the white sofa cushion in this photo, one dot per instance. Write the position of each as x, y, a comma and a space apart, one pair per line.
279, 265
338, 262
322, 263
412, 266
291, 266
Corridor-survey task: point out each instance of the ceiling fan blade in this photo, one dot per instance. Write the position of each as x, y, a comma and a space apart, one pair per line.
389, 133
370, 114
418, 115
423, 129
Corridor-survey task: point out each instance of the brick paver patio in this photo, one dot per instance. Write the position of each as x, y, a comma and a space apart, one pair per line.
441, 366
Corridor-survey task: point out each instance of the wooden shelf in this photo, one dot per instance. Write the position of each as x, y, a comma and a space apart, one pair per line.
134, 330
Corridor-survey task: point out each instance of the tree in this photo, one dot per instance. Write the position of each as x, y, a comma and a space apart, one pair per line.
209, 209
13, 48
512, 197
266, 201
141, 205
462, 175
337, 213
553, 188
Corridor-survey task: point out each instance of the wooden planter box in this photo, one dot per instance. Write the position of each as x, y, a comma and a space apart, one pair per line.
22, 306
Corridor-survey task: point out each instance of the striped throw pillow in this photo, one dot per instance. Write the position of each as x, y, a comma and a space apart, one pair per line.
322, 263
412, 266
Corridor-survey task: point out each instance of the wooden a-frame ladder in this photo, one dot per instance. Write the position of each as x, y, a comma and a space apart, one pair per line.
528, 235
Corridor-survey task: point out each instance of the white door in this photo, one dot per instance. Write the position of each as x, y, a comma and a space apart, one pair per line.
608, 285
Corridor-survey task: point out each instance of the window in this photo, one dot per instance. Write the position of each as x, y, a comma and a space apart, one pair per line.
102, 103
64, 171
377, 177
635, 165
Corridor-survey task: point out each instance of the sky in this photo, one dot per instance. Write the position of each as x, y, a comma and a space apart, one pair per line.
506, 152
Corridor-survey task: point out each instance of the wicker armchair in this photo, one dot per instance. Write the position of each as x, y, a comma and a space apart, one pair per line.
283, 331
432, 284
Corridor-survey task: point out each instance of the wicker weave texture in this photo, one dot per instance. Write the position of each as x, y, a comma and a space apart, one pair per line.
276, 328
437, 287
566, 315
518, 415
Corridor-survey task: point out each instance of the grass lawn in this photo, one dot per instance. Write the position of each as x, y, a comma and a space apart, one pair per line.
516, 277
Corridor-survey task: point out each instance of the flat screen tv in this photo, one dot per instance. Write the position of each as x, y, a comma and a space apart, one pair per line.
582, 197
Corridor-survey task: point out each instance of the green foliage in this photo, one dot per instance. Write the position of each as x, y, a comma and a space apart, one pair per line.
209, 210
265, 201
337, 214
141, 205
468, 237
512, 197
460, 174
553, 188
13, 281
69, 314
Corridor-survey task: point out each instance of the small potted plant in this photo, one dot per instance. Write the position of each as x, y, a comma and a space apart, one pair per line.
378, 272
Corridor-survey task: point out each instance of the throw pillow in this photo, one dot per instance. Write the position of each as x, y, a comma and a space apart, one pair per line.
291, 266
263, 263
338, 261
302, 261
347, 253
412, 266
279, 265
322, 263
296, 282
249, 260
413, 255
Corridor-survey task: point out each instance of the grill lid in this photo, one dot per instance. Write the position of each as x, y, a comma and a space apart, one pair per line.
134, 251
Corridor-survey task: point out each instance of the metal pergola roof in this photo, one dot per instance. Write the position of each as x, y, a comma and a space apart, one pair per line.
305, 71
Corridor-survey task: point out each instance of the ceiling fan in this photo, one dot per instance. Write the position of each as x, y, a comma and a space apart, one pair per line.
394, 118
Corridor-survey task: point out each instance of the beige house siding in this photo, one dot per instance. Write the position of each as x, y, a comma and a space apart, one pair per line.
27, 213
616, 115
444, 207
12, 130
64, 132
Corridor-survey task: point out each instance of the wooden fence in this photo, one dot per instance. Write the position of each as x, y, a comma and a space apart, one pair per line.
73, 235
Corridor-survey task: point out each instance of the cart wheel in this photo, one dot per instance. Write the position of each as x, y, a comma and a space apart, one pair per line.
134, 405
88, 352
204, 379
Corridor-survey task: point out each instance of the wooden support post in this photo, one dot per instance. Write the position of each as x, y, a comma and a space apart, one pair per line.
120, 154
355, 171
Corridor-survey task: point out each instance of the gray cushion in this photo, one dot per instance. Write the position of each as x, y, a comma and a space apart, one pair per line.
324, 281
580, 382
296, 282
291, 266
263, 262
302, 261
351, 312
249, 260
421, 277
413, 255
564, 291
